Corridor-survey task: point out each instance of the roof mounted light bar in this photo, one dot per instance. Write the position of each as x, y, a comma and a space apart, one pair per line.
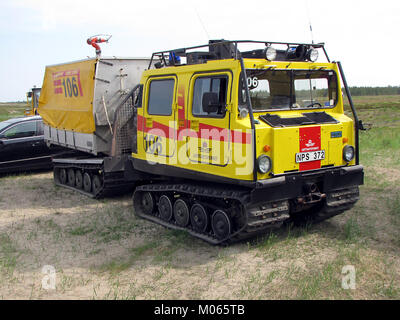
224, 49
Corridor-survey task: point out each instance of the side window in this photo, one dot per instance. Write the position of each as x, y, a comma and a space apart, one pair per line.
39, 128
26, 129
202, 85
137, 97
161, 97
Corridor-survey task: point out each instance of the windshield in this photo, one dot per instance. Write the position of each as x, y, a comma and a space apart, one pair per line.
291, 89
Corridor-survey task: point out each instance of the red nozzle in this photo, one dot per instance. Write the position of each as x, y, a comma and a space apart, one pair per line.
93, 41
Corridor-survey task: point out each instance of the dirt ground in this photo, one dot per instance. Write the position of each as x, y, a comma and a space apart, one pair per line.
100, 250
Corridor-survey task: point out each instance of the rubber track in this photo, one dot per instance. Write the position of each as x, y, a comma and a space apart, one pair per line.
111, 183
243, 196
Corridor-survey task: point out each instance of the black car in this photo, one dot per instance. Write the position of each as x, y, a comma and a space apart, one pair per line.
22, 145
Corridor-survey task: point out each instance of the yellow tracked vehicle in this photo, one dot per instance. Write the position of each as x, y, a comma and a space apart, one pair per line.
244, 140
32, 101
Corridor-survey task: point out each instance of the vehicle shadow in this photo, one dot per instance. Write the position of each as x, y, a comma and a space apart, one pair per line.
37, 190
20, 173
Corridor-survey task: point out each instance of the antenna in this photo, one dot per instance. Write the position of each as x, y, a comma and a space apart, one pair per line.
201, 22
309, 21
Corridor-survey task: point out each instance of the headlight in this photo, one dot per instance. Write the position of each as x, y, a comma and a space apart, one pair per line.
270, 53
264, 164
348, 153
312, 55
243, 112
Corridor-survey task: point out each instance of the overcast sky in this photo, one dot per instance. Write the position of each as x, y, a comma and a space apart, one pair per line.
363, 35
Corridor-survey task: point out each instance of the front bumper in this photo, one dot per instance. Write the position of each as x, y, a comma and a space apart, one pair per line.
294, 185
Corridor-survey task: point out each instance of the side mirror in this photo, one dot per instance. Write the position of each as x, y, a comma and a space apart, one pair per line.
210, 102
29, 94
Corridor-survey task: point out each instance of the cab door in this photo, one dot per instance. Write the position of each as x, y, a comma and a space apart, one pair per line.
159, 118
209, 107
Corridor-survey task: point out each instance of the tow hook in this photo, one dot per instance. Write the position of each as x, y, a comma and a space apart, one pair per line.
313, 197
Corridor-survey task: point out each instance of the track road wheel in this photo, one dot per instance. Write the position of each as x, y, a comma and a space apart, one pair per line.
181, 213
97, 184
78, 179
147, 203
71, 177
63, 176
221, 224
87, 182
199, 218
165, 208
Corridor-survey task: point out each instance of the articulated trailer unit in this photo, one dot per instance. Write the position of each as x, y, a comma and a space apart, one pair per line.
84, 106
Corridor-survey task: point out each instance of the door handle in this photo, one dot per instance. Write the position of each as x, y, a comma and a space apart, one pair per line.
194, 125
149, 123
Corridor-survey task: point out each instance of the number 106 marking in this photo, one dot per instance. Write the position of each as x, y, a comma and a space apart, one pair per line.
70, 87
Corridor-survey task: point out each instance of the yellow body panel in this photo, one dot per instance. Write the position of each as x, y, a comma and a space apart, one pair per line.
66, 100
32, 102
229, 153
30, 110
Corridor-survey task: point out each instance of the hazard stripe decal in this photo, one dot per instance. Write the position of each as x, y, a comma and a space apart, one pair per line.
215, 133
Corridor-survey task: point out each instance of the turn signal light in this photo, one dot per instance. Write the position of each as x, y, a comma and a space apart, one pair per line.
345, 140
267, 148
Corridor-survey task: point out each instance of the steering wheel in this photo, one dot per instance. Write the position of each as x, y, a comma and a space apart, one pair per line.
314, 104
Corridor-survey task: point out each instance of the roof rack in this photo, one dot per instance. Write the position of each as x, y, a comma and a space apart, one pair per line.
221, 49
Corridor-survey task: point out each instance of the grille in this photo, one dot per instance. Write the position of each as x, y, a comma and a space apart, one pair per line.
320, 117
306, 119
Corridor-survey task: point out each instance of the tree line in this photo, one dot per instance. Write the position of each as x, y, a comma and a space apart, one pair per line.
374, 91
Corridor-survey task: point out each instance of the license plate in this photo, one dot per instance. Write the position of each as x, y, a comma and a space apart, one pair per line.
310, 156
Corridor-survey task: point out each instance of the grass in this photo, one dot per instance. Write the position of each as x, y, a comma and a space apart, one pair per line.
394, 209
12, 110
109, 224
120, 264
80, 230
8, 256
351, 230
